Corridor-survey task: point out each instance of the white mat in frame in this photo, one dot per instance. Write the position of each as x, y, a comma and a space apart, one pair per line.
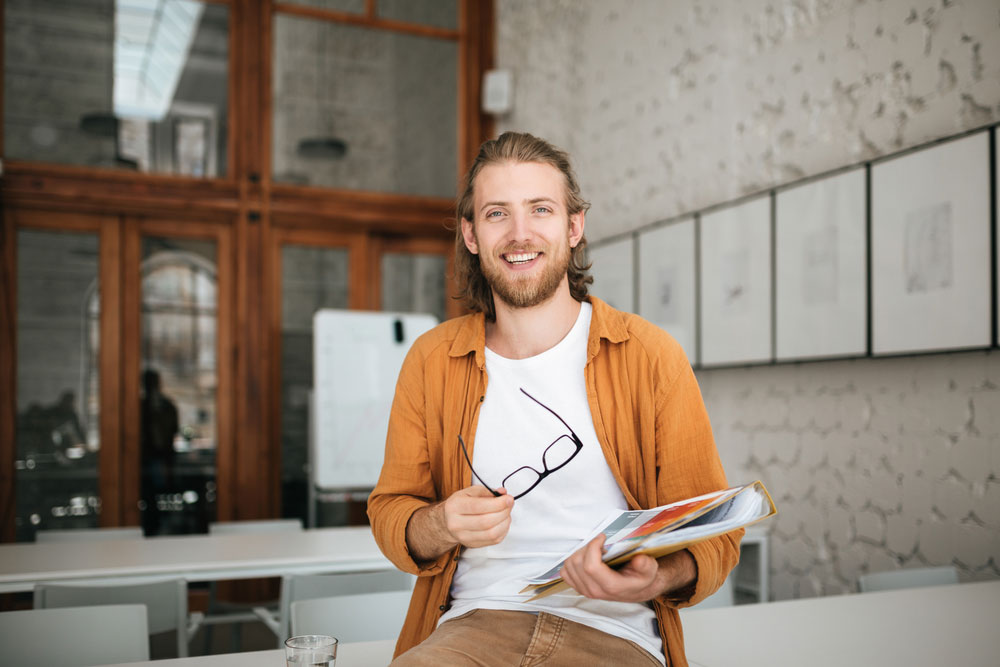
931, 248
613, 270
821, 268
736, 283
667, 281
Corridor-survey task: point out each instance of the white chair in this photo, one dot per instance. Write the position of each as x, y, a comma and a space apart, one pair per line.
88, 534
352, 618
299, 587
74, 637
165, 600
234, 613
908, 578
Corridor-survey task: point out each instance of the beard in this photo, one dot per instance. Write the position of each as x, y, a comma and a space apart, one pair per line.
526, 291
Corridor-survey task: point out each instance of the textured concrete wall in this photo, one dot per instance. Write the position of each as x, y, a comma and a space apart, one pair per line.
669, 107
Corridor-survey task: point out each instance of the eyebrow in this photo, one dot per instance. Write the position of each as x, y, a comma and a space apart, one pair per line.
534, 200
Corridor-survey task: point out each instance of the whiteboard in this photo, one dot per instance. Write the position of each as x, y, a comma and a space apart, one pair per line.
356, 360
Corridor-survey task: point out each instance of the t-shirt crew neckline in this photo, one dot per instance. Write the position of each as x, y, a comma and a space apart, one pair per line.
580, 327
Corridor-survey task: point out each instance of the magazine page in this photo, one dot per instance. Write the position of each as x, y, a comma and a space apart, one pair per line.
626, 530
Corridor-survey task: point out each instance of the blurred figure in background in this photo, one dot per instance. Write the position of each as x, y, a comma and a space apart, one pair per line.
159, 426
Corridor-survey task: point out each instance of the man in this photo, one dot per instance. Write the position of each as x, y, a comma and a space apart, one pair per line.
516, 429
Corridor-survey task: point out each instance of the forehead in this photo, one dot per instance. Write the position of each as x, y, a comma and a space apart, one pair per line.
514, 182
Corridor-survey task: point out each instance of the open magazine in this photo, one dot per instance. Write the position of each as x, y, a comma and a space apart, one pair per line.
662, 530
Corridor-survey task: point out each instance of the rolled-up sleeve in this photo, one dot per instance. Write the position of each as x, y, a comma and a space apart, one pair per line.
406, 483
689, 466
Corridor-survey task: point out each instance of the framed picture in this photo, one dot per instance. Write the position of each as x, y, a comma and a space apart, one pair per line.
821, 268
191, 146
931, 249
613, 271
735, 279
667, 281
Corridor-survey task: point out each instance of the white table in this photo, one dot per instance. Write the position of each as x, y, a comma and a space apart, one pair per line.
193, 557
358, 654
940, 625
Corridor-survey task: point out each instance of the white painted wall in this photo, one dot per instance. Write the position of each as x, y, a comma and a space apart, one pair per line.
670, 107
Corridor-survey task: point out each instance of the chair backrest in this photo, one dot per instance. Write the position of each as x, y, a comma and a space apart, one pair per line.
299, 587
908, 578
263, 526
363, 617
165, 600
74, 637
87, 534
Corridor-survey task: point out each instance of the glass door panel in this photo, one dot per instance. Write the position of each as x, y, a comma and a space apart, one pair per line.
180, 376
138, 85
58, 402
364, 109
311, 278
437, 13
414, 283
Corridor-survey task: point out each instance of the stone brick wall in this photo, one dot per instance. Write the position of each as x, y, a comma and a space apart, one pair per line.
874, 463
670, 107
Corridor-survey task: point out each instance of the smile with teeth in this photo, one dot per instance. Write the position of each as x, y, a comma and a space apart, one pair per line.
521, 257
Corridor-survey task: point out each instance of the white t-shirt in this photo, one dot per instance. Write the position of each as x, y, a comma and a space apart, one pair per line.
514, 431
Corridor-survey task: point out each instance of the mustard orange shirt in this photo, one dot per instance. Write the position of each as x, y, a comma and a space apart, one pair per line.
648, 414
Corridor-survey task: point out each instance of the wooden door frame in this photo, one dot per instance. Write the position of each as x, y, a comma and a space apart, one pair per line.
246, 200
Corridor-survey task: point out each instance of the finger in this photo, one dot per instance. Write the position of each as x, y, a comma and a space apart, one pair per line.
478, 500
481, 538
578, 568
641, 567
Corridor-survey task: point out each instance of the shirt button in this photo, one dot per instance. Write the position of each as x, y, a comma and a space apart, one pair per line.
443, 607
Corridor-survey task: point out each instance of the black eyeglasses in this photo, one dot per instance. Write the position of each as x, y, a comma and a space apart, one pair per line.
560, 452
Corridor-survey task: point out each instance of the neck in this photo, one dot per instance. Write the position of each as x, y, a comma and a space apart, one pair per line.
519, 333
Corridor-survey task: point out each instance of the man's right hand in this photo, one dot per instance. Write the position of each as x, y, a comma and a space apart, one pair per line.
472, 517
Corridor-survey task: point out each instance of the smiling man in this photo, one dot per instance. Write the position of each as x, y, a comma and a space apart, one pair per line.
515, 429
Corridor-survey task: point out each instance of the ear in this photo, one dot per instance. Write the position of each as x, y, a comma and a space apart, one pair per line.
469, 234
576, 224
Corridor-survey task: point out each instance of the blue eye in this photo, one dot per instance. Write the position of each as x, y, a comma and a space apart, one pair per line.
542, 209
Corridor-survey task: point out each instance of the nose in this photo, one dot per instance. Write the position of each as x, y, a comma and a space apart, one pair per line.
520, 230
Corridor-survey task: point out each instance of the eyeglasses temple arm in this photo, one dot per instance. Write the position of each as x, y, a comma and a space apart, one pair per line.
465, 453
575, 438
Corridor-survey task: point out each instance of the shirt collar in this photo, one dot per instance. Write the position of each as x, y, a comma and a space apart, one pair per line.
605, 322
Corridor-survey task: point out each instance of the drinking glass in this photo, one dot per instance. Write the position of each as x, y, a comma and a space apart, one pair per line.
311, 651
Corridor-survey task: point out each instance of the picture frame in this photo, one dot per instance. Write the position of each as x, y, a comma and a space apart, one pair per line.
821, 269
191, 146
931, 254
613, 269
735, 298
667, 281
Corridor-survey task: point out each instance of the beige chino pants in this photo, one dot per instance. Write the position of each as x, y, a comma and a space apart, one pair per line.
491, 638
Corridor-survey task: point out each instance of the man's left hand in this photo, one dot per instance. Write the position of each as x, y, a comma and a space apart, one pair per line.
642, 578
